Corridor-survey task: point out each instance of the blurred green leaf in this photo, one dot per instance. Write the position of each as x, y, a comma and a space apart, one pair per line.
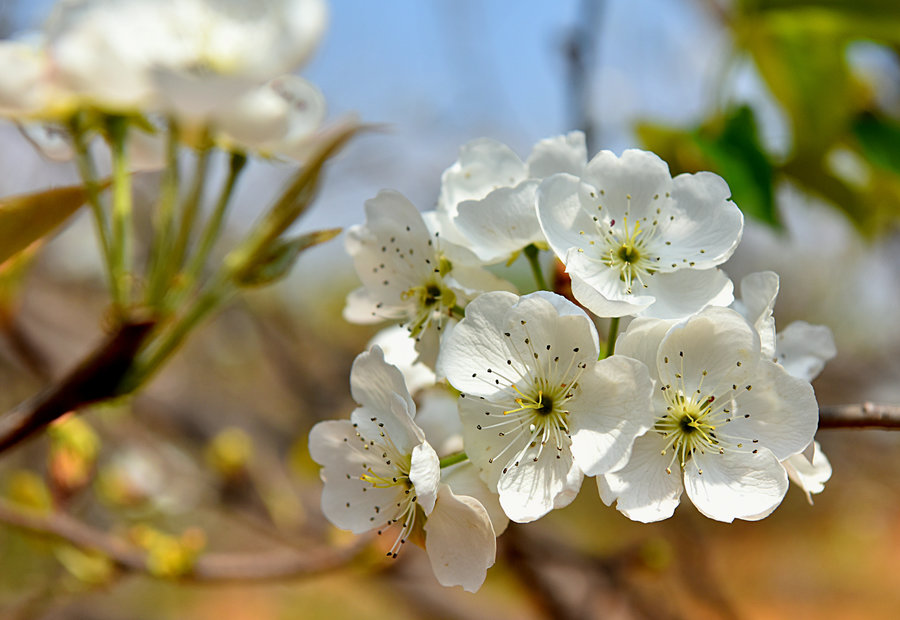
737, 155
730, 147
276, 262
879, 139
28, 217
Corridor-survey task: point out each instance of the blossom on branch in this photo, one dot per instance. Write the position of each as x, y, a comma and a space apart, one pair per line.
381, 474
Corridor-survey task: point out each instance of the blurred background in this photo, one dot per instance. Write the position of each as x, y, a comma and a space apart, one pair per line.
795, 103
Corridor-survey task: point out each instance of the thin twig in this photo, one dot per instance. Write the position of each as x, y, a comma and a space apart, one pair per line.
865, 415
275, 565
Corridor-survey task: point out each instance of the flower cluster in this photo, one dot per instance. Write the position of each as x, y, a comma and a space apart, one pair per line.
699, 395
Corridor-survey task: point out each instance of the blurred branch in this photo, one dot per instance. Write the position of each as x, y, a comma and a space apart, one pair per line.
580, 49
97, 378
278, 564
865, 415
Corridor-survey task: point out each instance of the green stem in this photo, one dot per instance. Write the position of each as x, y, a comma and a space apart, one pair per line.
611, 338
531, 253
163, 222
213, 227
87, 172
120, 241
190, 209
453, 459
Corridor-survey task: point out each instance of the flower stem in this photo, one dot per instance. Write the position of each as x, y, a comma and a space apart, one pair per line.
611, 338
190, 209
120, 241
531, 253
453, 459
87, 172
163, 223
213, 227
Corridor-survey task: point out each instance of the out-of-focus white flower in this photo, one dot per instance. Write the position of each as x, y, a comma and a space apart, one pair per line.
379, 472
487, 199
187, 57
539, 411
277, 118
406, 276
725, 418
636, 241
27, 88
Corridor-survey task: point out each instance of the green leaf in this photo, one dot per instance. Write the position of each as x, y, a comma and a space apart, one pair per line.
29, 217
879, 139
276, 262
737, 155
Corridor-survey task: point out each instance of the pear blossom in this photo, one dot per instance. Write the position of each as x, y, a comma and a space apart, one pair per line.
406, 276
635, 241
539, 412
487, 199
182, 56
725, 419
381, 473
802, 349
277, 118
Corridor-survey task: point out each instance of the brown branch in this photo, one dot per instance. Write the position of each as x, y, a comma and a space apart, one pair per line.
865, 415
213, 568
96, 378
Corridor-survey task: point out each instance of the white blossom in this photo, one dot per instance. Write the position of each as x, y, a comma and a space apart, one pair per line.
725, 418
487, 199
187, 57
406, 276
539, 411
636, 241
381, 473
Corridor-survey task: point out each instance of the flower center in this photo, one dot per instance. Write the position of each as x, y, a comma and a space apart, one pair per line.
688, 426
431, 298
627, 251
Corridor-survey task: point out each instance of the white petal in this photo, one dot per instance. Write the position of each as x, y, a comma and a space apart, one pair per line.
503, 222
399, 350
483, 166
735, 485
362, 308
780, 411
612, 408
530, 489
469, 282
642, 490
803, 349
809, 476
425, 474
758, 293
561, 213
704, 220
600, 288
642, 339
459, 540
566, 153
628, 183
684, 292
476, 344
464, 480
374, 383
347, 501
711, 351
